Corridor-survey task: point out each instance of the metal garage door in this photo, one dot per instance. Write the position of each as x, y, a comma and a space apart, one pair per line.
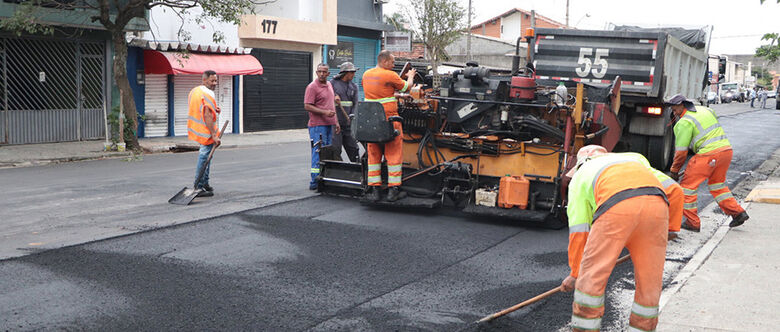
53, 90
156, 105
182, 84
364, 57
275, 99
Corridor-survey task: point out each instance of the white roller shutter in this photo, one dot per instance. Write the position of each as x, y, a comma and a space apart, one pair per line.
156, 105
225, 101
182, 84
224, 93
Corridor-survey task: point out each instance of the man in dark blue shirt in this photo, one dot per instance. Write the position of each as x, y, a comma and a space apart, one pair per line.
347, 96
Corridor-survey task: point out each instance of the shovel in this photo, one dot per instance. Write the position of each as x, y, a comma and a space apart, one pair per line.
186, 195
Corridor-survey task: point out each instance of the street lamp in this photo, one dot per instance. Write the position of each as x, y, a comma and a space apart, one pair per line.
581, 18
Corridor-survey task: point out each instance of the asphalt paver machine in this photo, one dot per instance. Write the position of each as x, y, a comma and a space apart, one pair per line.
487, 144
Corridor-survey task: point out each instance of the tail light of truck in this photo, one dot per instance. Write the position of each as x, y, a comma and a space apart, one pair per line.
650, 110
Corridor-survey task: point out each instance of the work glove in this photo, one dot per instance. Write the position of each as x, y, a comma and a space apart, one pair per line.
675, 176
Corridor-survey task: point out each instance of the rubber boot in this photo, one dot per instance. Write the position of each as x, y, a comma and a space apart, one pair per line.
394, 194
372, 194
738, 219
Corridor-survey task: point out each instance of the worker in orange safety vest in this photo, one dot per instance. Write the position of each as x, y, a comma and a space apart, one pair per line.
379, 85
614, 202
698, 130
202, 121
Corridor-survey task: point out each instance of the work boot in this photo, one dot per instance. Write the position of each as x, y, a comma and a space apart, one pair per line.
688, 226
395, 193
202, 192
372, 194
739, 219
208, 188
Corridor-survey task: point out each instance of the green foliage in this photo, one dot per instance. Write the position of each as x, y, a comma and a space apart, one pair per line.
113, 123
763, 77
398, 22
25, 20
437, 23
771, 51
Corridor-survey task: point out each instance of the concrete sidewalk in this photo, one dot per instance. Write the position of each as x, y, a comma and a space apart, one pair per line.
42, 154
732, 285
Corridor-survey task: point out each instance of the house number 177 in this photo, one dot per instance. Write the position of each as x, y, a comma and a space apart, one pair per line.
269, 26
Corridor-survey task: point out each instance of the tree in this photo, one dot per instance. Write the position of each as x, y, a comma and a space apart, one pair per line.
437, 23
114, 15
763, 77
770, 52
398, 21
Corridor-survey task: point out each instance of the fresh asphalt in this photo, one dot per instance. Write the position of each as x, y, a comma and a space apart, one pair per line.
299, 262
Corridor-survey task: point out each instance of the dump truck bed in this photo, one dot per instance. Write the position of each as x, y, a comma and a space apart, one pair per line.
652, 65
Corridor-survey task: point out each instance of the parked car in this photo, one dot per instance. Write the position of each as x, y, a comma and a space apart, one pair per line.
777, 100
771, 94
712, 97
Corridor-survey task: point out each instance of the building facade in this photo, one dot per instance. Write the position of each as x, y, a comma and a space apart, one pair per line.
56, 88
287, 36
163, 66
512, 24
359, 35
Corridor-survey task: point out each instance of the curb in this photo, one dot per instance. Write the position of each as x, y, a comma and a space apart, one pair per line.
698, 258
41, 162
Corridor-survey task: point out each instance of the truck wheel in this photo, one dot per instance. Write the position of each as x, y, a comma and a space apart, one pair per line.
637, 143
660, 149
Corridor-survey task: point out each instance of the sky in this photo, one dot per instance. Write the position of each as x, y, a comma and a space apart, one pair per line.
738, 25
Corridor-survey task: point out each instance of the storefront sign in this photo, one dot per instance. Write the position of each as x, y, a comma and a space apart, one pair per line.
343, 52
398, 41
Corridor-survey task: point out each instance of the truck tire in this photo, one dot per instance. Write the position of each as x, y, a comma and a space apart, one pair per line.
660, 149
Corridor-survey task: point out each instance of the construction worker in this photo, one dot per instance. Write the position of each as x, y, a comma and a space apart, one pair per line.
319, 100
673, 191
379, 85
202, 127
347, 93
614, 202
698, 130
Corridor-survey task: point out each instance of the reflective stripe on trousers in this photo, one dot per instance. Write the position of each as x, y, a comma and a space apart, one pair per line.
639, 224
713, 168
393, 153
326, 132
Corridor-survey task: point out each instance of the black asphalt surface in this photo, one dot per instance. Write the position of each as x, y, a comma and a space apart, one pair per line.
323, 264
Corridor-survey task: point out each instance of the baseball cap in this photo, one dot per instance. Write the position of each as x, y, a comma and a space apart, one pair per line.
676, 100
347, 66
584, 154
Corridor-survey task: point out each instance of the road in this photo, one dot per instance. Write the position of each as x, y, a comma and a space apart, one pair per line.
264, 254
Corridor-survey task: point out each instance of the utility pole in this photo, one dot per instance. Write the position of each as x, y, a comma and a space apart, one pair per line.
567, 13
468, 39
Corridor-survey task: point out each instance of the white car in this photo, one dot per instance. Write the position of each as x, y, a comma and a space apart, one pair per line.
712, 97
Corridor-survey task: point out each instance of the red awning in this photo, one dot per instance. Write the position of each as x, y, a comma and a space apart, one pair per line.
156, 62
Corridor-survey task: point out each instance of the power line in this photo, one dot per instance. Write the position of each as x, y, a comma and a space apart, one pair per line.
736, 36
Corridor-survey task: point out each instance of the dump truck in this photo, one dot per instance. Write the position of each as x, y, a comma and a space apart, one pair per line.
654, 64
499, 145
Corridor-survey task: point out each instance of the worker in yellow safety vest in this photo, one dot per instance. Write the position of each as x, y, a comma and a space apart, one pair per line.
614, 202
698, 130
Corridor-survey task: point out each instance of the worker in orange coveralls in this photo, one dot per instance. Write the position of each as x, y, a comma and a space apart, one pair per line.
614, 202
698, 130
379, 85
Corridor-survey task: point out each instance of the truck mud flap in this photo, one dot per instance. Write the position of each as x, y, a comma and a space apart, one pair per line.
514, 214
340, 178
